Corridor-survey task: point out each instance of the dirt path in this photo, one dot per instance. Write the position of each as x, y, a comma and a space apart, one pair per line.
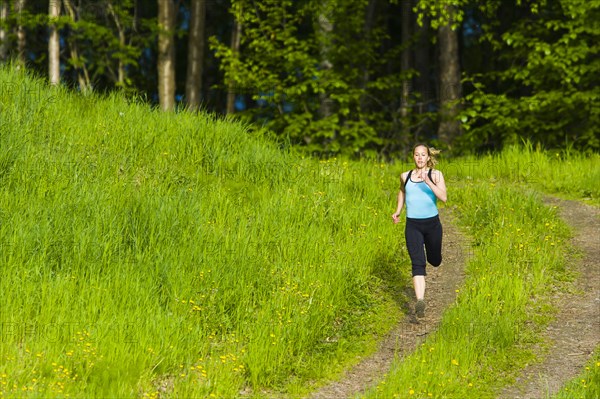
405, 338
576, 331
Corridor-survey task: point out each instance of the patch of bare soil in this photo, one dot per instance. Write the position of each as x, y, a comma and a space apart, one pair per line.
575, 332
442, 283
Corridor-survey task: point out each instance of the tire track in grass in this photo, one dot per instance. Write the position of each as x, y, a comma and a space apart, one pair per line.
575, 332
442, 283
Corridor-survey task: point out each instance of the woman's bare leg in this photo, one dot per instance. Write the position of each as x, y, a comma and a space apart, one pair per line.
419, 284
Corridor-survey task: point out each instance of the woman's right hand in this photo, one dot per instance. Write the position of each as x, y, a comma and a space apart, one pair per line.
396, 217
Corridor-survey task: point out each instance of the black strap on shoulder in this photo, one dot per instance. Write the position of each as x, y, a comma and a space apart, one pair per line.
408, 177
431, 178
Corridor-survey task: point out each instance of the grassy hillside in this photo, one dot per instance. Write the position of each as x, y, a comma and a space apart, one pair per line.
144, 252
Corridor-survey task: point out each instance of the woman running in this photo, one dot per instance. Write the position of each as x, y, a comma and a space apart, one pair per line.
420, 188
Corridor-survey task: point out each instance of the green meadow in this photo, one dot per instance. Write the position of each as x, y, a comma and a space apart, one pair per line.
146, 254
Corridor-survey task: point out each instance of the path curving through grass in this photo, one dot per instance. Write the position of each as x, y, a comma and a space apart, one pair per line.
410, 332
575, 332
560, 349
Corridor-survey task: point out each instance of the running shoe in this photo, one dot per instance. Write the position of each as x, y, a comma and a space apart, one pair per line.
420, 308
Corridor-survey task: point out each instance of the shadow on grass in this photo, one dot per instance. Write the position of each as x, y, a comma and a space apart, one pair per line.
394, 275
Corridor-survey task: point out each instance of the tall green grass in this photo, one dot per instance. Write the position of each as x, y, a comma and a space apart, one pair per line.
586, 385
567, 172
146, 254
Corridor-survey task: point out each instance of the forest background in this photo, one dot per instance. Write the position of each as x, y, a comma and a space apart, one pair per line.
365, 78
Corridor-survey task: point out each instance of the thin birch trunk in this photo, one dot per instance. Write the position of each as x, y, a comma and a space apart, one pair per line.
4, 45
21, 35
53, 43
166, 54
122, 43
236, 36
405, 65
193, 85
450, 86
83, 77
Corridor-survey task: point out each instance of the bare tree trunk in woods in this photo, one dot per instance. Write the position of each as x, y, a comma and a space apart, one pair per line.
450, 88
405, 65
122, 43
136, 14
325, 29
53, 44
83, 77
3, 32
423, 64
193, 83
21, 36
236, 35
367, 28
166, 54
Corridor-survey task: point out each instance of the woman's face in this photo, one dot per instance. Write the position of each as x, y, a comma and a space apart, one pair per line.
421, 156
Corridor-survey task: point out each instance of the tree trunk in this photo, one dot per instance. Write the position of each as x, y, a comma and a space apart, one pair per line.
325, 27
367, 28
83, 77
122, 43
53, 43
405, 65
3, 32
166, 54
236, 35
21, 36
193, 84
450, 88
423, 64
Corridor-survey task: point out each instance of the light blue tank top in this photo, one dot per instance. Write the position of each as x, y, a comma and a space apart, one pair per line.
421, 202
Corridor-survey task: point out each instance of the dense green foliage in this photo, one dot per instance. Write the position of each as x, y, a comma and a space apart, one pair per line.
339, 76
544, 86
540, 82
306, 86
97, 37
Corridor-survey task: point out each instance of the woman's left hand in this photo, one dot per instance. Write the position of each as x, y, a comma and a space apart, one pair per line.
424, 176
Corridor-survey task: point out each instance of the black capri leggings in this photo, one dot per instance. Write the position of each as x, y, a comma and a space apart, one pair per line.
427, 233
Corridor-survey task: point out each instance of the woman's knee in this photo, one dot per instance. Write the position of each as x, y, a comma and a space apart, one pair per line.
418, 270
435, 262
